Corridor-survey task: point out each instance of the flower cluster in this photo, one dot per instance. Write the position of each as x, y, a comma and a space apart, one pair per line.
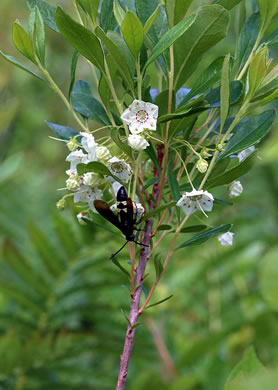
140, 117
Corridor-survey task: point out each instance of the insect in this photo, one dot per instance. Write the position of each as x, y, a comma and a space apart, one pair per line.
126, 219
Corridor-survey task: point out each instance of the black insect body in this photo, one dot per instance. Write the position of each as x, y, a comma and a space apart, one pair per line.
126, 219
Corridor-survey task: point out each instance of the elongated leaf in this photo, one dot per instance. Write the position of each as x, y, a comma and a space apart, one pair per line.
267, 8
205, 79
117, 56
94, 166
107, 19
232, 174
47, 11
63, 132
173, 183
19, 65
151, 20
169, 38
74, 60
103, 87
152, 154
209, 27
80, 38
114, 133
267, 99
133, 32
37, 20
159, 302
193, 228
225, 91
164, 227
92, 8
159, 209
176, 10
206, 235
175, 115
83, 102
117, 264
257, 71
236, 89
22, 42
247, 39
123, 50
249, 132
118, 12
228, 4
158, 266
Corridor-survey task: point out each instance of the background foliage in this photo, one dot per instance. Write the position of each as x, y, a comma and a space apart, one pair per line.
62, 302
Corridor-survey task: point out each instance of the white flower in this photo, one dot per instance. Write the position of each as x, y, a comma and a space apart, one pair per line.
235, 189
77, 157
202, 165
120, 169
103, 153
81, 215
88, 194
91, 179
196, 200
72, 183
245, 153
140, 116
137, 142
226, 239
89, 144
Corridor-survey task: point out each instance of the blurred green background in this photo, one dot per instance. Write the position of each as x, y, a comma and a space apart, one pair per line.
61, 301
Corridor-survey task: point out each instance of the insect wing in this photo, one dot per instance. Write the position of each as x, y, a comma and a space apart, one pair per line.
105, 211
130, 212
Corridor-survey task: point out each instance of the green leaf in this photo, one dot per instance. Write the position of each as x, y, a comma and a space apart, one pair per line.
22, 42
173, 183
205, 79
40, 36
74, 60
164, 227
63, 132
193, 228
266, 100
133, 32
47, 11
83, 102
92, 8
117, 264
246, 41
228, 4
176, 10
232, 174
257, 71
267, 8
209, 27
93, 166
158, 266
169, 38
80, 38
236, 88
107, 20
249, 132
152, 154
181, 113
117, 55
225, 91
103, 87
159, 209
159, 302
246, 368
19, 65
268, 278
206, 235
151, 20
123, 50
118, 12
114, 133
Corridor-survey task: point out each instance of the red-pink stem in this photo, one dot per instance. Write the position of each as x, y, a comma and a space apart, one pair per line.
134, 307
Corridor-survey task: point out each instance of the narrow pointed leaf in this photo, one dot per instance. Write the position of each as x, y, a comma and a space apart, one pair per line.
23, 42
159, 209
63, 132
267, 8
92, 8
159, 302
118, 12
225, 91
176, 10
80, 38
151, 20
47, 11
206, 235
133, 32
193, 228
74, 61
13, 61
114, 133
257, 71
173, 183
117, 264
158, 266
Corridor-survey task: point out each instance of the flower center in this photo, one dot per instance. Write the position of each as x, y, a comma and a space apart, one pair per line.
117, 167
142, 116
195, 197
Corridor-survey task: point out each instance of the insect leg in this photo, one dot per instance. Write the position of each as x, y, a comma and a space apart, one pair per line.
114, 254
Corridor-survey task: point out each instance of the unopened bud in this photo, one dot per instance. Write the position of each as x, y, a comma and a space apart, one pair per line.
220, 147
91, 179
103, 153
202, 165
235, 189
61, 204
72, 144
72, 183
204, 153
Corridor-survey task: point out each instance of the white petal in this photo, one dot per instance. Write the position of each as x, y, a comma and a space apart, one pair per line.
226, 239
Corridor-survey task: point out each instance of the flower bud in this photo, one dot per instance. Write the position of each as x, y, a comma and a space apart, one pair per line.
103, 153
72, 144
220, 147
204, 153
226, 239
61, 204
72, 183
91, 179
235, 189
137, 142
202, 165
